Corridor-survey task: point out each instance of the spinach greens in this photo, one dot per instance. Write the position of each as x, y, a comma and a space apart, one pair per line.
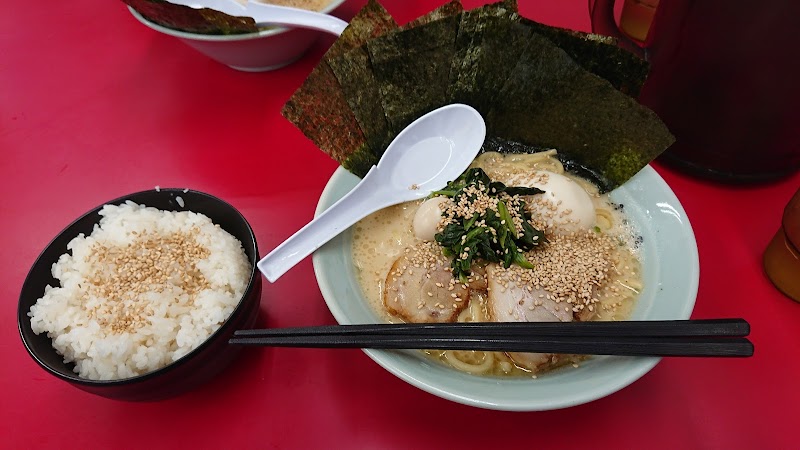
490, 234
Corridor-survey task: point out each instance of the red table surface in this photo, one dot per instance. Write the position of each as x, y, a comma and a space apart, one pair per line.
93, 106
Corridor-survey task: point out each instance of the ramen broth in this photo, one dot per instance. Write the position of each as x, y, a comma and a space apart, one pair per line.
381, 238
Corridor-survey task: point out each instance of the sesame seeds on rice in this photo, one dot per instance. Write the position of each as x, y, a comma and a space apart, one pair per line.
143, 289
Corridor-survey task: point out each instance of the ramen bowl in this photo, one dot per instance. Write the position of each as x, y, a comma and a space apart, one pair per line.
670, 270
269, 49
189, 371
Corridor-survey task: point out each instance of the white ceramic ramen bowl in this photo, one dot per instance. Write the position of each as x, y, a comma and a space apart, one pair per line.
670, 269
269, 49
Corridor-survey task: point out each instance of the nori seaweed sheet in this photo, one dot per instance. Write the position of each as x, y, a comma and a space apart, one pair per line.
488, 47
447, 10
320, 109
370, 22
354, 71
350, 64
550, 101
599, 55
184, 18
412, 68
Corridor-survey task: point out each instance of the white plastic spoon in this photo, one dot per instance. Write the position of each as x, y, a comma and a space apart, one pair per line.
266, 14
424, 157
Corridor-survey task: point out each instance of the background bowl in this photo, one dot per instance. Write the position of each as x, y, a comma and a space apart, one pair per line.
670, 268
269, 49
194, 368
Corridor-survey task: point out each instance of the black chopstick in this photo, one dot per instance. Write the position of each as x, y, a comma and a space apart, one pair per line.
624, 346
717, 337
643, 328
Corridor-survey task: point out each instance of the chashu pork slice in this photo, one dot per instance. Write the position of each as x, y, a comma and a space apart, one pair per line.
420, 287
511, 301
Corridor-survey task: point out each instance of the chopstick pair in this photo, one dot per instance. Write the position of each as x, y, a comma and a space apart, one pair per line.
709, 337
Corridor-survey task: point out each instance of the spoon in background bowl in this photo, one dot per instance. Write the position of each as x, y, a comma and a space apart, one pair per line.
267, 14
432, 151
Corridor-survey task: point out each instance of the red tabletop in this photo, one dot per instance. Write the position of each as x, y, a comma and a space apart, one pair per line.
93, 106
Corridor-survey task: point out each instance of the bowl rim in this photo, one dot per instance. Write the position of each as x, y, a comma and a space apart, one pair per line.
74, 377
223, 37
390, 360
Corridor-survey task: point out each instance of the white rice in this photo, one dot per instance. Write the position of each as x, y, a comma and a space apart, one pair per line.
127, 333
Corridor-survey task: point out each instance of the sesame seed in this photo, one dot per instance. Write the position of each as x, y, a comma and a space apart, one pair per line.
151, 262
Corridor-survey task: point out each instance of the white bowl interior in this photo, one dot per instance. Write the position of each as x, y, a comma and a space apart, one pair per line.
671, 274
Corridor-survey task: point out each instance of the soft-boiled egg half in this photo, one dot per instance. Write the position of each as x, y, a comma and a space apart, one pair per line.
426, 220
565, 206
